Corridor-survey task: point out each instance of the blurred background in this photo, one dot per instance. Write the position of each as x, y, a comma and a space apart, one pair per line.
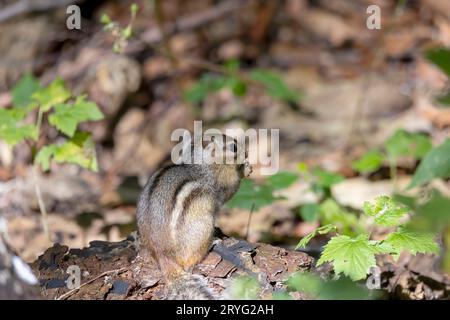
358, 108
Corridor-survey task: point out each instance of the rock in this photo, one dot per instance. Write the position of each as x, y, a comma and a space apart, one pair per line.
114, 270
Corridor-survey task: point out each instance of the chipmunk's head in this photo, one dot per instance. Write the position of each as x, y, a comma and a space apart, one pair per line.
223, 150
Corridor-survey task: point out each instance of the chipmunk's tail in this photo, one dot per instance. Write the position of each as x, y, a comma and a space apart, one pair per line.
187, 286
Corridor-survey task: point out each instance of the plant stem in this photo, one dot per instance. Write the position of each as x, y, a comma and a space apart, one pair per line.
37, 188
249, 220
393, 171
41, 204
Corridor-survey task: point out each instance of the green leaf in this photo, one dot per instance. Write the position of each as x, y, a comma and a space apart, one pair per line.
12, 131
238, 87
15, 135
326, 179
369, 162
274, 85
332, 213
441, 58
127, 32
281, 295
444, 99
44, 156
310, 212
385, 210
232, 65
350, 256
322, 230
403, 143
302, 167
250, 194
382, 247
79, 150
22, 91
134, 9
436, 164
408, 201
244, 288
434, 215
66, 117
53, 94
281, 180
320, 289
413, 241
105, 19
206, 85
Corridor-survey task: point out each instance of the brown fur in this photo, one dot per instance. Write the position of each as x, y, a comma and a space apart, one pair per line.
175, 219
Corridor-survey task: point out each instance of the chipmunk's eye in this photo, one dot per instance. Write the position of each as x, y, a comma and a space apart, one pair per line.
232, 147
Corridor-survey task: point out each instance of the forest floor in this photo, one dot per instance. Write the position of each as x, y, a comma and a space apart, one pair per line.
357, 87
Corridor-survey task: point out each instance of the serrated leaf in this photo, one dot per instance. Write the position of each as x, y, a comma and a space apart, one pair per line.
369, 162
44, 156
322, 230
385, 211
380, 247
436, 164
23, 90
281, 180
413, 241
79, 150
51, 95
12, 131
441, 58
250, 194
274, 85
66, 117
403, 143
351, 256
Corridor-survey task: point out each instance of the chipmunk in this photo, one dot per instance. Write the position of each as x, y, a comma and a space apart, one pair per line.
176, 209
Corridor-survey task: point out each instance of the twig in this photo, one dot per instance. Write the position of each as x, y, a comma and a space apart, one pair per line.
69, 293
41, 203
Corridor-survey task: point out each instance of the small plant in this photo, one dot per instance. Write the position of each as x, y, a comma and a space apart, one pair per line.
412, 224
32, 105
120, 34
321, 289
402, 144
252, 196
233, 79
354, 256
